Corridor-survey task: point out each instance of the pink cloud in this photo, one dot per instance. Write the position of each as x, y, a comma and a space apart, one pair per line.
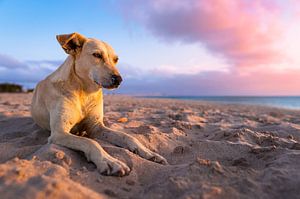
245, 32
217, 83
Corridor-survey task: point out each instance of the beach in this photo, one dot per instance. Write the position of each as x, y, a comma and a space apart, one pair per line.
214, 151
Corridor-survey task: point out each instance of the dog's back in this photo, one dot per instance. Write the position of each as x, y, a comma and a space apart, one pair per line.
39, 111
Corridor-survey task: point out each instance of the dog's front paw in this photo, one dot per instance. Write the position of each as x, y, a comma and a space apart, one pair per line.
114, 167
149, 155
157, 158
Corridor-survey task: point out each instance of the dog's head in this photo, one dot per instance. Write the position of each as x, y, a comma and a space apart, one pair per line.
95, 60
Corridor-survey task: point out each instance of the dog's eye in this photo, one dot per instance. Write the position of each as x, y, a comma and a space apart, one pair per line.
98, 55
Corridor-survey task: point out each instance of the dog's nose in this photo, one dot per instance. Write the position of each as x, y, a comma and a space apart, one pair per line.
116, 79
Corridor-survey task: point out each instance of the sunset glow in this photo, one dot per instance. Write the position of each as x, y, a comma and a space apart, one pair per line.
217, 47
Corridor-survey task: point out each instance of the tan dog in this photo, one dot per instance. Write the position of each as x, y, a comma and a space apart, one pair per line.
70, 100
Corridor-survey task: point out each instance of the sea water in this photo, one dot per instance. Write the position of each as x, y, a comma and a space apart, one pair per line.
291, 102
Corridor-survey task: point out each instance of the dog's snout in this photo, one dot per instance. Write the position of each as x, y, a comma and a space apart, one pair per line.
116, 79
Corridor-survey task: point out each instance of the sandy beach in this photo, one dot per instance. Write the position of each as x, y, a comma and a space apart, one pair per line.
213, 150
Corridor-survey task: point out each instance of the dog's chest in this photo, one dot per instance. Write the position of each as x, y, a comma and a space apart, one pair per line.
88, 103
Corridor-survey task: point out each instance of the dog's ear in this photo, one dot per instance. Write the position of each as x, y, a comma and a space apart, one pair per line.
71, 43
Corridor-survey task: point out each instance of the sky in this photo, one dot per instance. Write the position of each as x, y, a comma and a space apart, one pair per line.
166, 47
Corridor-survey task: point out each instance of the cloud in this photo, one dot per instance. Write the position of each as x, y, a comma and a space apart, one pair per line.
25, 73
246, 33
216, 83
53, 63
259, 39
10, 63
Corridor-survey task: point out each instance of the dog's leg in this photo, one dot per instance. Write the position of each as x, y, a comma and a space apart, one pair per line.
60, 124
93, 152
126, 141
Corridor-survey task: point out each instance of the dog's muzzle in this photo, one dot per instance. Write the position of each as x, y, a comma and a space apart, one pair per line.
116, 80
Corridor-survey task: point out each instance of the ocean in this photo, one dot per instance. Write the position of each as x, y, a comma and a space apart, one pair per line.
290, 102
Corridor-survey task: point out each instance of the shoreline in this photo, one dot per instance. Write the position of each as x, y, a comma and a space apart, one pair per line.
222, 100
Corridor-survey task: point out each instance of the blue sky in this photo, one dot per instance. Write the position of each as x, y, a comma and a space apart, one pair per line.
30, 28
165, 47
32, 25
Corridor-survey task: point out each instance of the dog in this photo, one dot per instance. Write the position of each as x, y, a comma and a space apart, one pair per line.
71, 100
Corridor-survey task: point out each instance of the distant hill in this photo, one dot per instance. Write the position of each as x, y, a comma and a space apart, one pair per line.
10, 88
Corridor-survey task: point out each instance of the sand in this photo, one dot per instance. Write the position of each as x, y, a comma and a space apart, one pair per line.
214, 151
